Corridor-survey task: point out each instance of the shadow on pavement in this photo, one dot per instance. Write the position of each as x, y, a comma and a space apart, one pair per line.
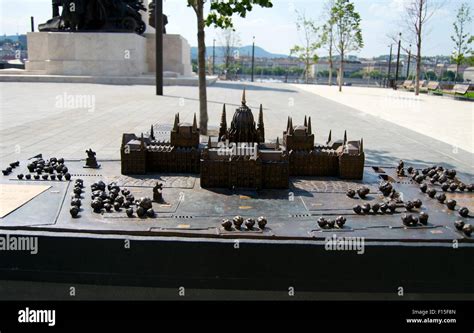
250, 86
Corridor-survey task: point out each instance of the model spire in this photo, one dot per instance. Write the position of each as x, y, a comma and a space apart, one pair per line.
345, 137
305, 122
261, 126
309, 126
329, 137
152, 133
176, 120
288, 125
223, 125
260, 116
194, 124
244, 102
361, 146
224, 117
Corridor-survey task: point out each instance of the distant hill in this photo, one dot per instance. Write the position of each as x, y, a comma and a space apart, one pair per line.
244, 50
13, 38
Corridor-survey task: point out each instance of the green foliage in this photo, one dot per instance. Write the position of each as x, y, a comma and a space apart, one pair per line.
462, 38
469, 94
273, 71
307, 53
448, 76
348, 33
470, 61
220, 16
325, 73
357, 75
295, 71
431, 76
221, 12
375, 74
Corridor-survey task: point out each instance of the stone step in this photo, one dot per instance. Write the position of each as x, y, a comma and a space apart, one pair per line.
114, 80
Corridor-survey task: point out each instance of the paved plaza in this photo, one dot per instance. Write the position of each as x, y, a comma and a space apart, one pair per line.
63, 120
441, 118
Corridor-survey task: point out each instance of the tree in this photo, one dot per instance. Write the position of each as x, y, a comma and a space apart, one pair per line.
347, 32
327, 37
431, 76
230, 40
461, 37
306, 53
357, 75
375, 74
448, 76
220, 16
417, 16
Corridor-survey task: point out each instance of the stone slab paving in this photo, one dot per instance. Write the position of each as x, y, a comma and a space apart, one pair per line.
38, 118
441, 118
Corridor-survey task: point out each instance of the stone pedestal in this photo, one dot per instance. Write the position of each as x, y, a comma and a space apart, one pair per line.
176, 54
105, 54
88, 54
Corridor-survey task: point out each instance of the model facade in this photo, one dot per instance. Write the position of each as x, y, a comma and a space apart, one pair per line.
239, 157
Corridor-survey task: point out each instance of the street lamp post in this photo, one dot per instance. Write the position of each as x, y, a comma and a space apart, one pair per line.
408, 65
398, 60
159, 46
389, 65
253, 56
213, 55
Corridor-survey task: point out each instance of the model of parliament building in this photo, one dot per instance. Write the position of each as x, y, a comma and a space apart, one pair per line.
239, 157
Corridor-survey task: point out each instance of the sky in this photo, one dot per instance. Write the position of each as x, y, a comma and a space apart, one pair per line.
274, 29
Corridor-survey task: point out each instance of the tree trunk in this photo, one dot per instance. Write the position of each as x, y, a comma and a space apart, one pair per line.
418, 69
307, 71
418, 51
458, 60
203, 118
331, 65
341, 71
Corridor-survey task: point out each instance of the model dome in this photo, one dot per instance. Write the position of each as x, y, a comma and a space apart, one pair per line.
242, 128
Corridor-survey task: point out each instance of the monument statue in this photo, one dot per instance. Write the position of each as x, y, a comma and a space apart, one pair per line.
96, 15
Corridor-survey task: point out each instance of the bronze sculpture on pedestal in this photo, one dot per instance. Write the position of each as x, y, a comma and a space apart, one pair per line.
96, 15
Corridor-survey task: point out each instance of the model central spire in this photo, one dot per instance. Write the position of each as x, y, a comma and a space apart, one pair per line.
243, 127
